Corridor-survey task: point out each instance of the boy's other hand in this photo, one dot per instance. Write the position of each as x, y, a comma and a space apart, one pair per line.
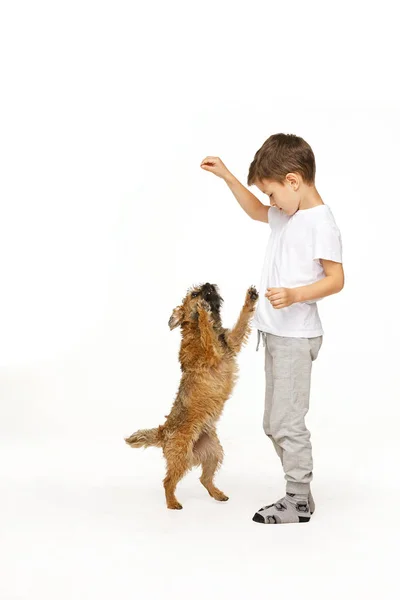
215, 165
280, 297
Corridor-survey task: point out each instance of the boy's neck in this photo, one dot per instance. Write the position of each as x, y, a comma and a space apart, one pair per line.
310, 198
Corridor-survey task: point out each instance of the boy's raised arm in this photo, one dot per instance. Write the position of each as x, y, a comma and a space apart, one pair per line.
248, 201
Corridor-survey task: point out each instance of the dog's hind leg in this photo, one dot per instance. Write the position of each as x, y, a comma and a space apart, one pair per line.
208, 451
179, 460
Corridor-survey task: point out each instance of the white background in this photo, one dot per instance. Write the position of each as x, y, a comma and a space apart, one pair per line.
107, 110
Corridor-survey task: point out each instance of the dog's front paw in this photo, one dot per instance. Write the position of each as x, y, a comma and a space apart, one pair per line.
204, 305
252, 295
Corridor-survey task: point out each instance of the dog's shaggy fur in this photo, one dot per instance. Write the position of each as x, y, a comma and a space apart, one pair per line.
209, 372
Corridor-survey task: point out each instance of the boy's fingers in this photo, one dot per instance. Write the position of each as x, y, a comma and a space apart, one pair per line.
208, 159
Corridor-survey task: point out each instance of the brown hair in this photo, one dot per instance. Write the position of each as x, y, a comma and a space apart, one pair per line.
281, 154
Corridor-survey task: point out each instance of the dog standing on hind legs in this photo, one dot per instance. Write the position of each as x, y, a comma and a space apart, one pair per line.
207, 356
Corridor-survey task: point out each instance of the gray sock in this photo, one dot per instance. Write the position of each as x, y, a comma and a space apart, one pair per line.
292, 508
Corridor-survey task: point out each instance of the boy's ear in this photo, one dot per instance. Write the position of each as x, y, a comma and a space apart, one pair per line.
176, 317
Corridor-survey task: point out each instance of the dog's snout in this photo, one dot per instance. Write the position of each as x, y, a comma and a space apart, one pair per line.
210, 294
209, 288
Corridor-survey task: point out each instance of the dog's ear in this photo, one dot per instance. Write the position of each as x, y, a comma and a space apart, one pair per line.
176, 317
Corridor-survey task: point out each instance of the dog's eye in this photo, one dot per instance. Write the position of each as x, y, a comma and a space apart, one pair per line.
194, 294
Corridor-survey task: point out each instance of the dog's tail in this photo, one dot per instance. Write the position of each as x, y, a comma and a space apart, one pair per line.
146, 437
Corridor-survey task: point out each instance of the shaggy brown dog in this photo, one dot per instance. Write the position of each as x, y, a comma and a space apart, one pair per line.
209, 372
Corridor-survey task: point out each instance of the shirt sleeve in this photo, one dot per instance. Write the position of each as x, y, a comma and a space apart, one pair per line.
327, 242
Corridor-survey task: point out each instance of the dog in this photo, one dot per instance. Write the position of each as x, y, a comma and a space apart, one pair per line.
207, 357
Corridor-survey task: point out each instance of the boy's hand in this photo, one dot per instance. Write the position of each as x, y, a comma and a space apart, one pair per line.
215, 165
281, 297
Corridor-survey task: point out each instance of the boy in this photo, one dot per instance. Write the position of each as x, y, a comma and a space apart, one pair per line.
303, 264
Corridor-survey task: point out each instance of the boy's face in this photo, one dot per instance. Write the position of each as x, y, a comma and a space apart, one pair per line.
282, 195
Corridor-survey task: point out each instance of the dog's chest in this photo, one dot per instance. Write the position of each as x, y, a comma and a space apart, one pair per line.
223, 377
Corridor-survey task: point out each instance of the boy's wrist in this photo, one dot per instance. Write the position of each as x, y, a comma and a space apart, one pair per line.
297, 295
229, 178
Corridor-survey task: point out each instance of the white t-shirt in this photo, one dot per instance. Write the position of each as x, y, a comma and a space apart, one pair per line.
295, 245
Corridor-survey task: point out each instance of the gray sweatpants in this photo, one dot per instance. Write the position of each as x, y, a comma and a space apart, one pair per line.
288, 362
